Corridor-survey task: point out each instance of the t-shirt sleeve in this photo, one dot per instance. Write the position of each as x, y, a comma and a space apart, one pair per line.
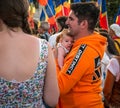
113, 67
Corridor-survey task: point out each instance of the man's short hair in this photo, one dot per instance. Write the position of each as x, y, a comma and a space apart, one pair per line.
86, 11
61, 21
45, 25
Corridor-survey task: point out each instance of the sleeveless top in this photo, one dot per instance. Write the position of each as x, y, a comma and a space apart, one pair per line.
60, 45
29, 93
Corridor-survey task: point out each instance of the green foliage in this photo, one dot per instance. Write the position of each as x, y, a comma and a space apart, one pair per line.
112, 9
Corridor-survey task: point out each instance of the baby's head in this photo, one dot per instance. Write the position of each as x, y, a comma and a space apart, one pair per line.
65, 39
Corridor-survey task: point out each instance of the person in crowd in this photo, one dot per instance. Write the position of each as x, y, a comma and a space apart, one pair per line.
60, 21
109, 53
43, 30
115, 34
111, 48
112, 83
64, 44
79, 79
27, 77
35, 29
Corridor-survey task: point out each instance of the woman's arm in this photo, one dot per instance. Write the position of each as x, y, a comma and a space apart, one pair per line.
51, 90
109, 82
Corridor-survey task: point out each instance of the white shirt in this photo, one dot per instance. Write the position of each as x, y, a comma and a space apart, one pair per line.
52, 39
114, 68
104, 62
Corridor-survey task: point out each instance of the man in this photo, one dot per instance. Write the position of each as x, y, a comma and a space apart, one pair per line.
60, 21
43, 30
114, 31
80, 78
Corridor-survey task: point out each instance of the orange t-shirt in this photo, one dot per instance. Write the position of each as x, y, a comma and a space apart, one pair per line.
80, 78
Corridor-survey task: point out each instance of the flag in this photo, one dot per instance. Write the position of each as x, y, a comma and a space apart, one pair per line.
50, 12
50, 9
30, 1
58, 8
43, 2
117, 21
42, 15
31, 12
103, 15
99, 2
69, 1
76, 1
87, 0
66, 7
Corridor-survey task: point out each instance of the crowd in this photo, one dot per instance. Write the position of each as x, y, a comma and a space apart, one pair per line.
76, 67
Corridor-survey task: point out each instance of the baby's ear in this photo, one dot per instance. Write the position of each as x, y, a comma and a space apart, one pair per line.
60, 41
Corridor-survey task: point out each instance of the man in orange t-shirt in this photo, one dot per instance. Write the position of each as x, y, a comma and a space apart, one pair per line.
80, 78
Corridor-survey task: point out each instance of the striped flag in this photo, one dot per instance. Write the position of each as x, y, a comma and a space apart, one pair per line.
42, 15
50, 9
103, 15
117, 21
31, 12
87, 0
58, 8
50, 12
76, 1
99, 2
30, 1
43, 2
66, 7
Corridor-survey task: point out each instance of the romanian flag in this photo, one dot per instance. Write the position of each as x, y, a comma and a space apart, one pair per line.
103, 15
43, 2
62, 8
58, 8
30, 1
50, 12
31, 14
87, 0
118, 17
66, 7
76, 1
42, 15
99, 2
50, 9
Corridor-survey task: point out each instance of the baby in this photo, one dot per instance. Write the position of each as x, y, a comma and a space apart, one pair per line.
64, 43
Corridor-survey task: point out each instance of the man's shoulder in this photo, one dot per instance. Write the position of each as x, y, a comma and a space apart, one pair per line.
55, 35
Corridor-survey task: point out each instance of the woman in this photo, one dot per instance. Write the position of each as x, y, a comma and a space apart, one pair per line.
27, 79
112, 83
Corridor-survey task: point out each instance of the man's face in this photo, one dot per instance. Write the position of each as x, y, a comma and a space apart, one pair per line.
73, 25
40, 30
111, 32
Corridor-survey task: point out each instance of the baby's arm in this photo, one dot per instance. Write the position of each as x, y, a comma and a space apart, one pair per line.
61, 55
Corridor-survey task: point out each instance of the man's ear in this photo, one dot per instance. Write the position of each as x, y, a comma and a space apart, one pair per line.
84, 24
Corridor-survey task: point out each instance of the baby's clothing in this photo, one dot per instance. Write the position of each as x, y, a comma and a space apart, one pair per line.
60, 45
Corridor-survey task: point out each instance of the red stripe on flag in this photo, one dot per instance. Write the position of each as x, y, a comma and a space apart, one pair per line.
43, 2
